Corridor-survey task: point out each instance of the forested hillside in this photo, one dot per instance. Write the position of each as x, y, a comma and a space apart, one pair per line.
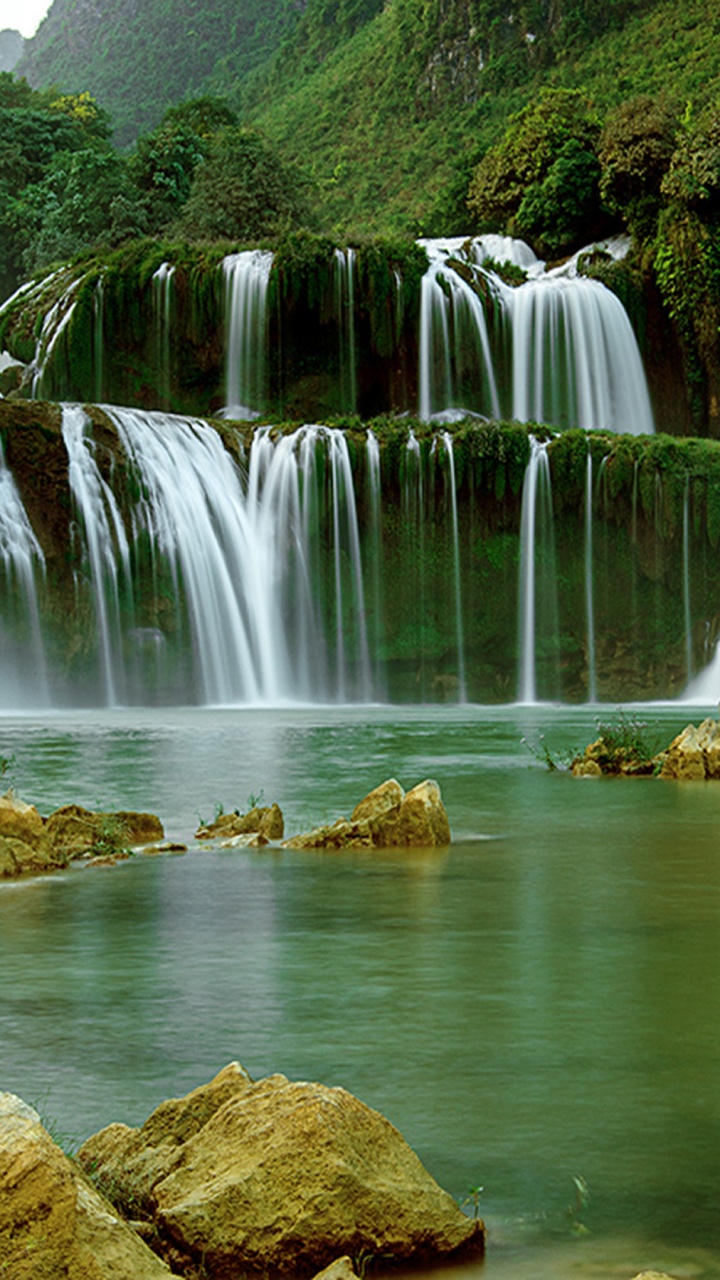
137, 59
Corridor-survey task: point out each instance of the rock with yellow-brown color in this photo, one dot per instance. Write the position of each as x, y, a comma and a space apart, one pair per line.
54, 1225
387, 818
76, 832
279, 1179
266, 822
694, 754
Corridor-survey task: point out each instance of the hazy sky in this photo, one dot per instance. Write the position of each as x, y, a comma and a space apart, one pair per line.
22, 15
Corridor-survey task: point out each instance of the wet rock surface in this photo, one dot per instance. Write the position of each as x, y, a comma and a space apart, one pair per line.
386, 818
277, 1178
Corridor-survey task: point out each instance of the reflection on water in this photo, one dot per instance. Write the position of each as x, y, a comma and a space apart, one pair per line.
537, 1003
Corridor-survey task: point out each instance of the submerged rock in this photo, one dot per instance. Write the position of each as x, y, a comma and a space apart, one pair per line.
53, 1221
278, 1178
266, 822
386, 818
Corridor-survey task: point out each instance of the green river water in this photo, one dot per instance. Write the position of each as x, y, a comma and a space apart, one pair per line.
538, 1003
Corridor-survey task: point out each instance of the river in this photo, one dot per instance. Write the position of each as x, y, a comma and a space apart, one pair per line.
537, 1005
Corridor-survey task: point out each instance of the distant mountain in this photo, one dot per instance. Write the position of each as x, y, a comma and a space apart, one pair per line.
11, 47
386, 105
137, 57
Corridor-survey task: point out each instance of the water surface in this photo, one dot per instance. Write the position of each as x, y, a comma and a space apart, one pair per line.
539, 1002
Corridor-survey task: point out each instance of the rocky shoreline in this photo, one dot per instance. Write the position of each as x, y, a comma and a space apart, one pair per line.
273, 1179
386, 818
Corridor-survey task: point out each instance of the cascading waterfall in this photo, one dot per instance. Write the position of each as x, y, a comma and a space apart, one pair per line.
566, 341
686, 578
56, 320
589, 597
575, 359
536, 546
459, 632
105, 544
454, 342
22, 663
375, 551
246, 283
413, 523
233, 566
345, 311
238, 553
162, 295
99, 338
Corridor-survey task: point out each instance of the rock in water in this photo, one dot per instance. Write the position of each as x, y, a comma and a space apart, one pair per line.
694, 753
280, 1179
54, 1225
385, 819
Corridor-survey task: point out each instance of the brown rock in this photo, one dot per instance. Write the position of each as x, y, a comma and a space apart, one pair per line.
54, 1225
22, 821
340, 1269
420, 822
281, 1179
693, 754
584, 768
388, 796
337, 835
385, 819
79, 832
268, 821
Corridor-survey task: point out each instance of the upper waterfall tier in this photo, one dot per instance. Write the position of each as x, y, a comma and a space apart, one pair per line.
439, 328
551, 347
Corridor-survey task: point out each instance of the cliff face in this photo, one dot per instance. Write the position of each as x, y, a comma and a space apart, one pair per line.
11, 47
138, 58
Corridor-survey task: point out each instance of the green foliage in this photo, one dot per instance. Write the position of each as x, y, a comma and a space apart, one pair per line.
563, 209
622, 741
242, 191
636, 147
541, 180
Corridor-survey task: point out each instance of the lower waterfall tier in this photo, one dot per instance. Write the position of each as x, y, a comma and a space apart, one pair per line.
154, 559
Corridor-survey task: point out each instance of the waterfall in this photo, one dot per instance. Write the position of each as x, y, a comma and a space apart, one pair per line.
462, 693
686, 578
575, 359
535, 588
105, 543
456, 365
589, 599
413, 525
345, 311
374, 543
54, 323
560, 348
99, 338
22, 652
162, 296
246, 282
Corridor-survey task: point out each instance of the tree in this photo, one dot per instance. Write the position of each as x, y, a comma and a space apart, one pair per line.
541, 180
636, 147
242, 191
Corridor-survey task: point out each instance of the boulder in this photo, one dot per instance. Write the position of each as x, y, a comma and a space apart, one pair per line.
385, 819
18, 858
420, 822
22, 821
78, 832
280, 1179
267, 822
54, 1225
388, 796
336, 835
694, 753
340, 1269
24, 845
